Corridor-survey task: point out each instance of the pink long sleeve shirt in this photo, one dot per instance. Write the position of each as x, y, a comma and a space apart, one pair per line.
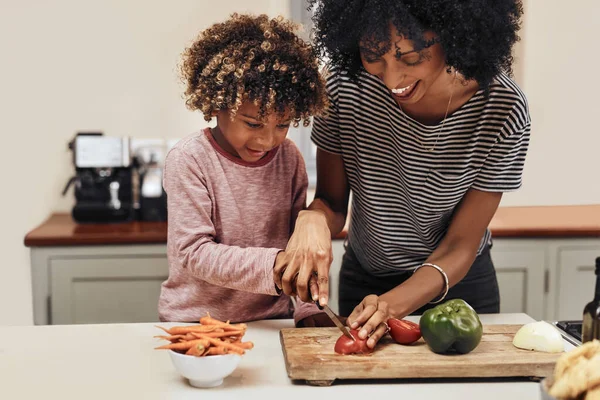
228, 219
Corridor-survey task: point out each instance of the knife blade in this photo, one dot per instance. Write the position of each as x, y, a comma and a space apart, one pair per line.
336, 320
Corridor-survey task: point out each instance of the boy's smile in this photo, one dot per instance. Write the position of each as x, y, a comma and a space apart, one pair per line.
247, 136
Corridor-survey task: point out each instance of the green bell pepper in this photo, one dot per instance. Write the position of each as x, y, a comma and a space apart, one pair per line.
453, 326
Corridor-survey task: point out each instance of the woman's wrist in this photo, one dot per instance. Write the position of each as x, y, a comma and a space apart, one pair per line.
414, 293
314, 217
313, 213
444, 293
335, 220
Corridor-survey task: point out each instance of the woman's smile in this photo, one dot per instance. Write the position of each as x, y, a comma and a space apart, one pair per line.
405, 93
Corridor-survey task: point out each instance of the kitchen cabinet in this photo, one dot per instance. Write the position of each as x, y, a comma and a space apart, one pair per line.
574, 281
520, 268
338, 250
97, 284
546, 279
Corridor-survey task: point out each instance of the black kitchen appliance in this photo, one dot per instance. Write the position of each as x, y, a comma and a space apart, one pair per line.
102, 180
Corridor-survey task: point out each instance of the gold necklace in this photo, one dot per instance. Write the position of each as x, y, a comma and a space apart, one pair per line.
443, 121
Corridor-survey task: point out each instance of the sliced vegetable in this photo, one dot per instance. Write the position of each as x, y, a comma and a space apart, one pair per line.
403, 331
345, 345
453, 326
539, 336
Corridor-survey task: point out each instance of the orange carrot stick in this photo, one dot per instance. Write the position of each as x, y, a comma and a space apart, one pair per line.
173, 338
215, 322
182, 330
245, 345
184, 345
164, 329
219, 343
215, 334
197, 350
214, 351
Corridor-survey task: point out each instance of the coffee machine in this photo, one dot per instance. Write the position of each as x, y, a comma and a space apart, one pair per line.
103, 178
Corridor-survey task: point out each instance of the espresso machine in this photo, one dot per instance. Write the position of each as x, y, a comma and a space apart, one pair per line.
103, 179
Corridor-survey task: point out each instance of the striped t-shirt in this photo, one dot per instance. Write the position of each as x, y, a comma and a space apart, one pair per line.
403, 196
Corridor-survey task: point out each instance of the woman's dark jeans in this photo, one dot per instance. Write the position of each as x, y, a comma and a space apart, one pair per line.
479, 287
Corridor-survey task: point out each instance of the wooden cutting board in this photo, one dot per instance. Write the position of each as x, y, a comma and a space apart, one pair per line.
309, 355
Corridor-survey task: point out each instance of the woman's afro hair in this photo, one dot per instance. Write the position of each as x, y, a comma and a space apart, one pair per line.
477, 36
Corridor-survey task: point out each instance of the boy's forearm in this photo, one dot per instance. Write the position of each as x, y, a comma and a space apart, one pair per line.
246, 269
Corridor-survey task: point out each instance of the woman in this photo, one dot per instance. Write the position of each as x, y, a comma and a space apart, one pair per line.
427, 130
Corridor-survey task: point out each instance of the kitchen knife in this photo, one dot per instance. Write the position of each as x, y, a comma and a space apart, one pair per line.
336, 320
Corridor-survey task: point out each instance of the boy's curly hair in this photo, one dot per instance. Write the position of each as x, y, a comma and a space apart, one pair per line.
255, 59
476, 35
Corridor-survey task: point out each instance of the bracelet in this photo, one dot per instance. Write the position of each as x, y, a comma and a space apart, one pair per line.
445, 280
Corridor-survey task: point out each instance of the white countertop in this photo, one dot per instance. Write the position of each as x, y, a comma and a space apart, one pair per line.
118, 361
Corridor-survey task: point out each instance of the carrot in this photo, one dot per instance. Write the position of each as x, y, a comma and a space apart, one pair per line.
229, 346
164, 329
215, 334
225, 325
179, 330
211, 337
197, 350
213, 351
245, 345
184, 345
172, 339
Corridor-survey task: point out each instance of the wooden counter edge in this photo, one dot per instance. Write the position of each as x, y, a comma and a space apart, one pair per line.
57, 230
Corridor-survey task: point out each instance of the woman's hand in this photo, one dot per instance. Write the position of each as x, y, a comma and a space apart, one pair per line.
370, 317
308, 253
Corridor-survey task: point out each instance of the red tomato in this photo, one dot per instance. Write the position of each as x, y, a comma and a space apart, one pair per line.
403, 331
345, 345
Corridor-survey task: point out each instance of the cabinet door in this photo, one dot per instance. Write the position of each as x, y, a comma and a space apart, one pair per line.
334, 273
115, 289
520, 268
576, 279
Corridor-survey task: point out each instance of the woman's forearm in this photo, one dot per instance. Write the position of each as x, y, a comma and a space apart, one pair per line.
428, 283
454, 255
335, 220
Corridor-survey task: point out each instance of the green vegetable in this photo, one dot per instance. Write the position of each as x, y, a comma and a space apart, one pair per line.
453, 326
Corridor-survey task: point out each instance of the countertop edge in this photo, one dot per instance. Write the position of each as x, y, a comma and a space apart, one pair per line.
528, 222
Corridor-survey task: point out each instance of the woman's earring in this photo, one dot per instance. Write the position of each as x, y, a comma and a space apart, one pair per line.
449, 69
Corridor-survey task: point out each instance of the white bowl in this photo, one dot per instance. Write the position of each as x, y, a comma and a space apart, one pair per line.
205, 372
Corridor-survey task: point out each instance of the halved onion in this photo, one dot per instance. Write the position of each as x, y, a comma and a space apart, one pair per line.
539, 336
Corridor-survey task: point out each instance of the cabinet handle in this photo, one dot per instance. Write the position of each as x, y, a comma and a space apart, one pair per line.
49, 310
546, 281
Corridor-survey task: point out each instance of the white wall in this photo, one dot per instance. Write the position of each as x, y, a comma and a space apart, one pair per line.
558, 70
71, 65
